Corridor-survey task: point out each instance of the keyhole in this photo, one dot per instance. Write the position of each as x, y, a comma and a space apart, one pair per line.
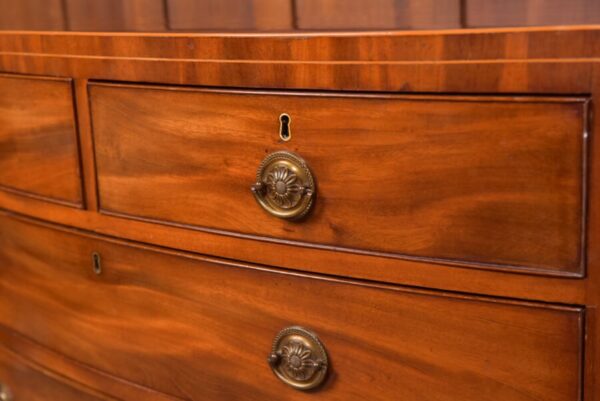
285, 132
96, 263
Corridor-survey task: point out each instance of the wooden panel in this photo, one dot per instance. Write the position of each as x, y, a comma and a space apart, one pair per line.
230, 14
30, 383
487, 13
32, 14
200, 328
38, 141
116, 15
377, 14
497, 181
541, 60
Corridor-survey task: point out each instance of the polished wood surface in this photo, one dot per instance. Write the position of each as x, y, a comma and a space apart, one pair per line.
188, 313
525, 61
377, 14
115, 15
252, 15
539, 61
38, 141
29, 382
516, 62
289, 15
492, 13
486, 181
73, 372
32, 14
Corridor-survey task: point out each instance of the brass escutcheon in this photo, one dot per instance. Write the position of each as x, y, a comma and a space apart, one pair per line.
284, 186
298, 358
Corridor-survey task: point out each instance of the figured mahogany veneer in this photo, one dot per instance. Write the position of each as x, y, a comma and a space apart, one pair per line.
497, 181
38, 142
28, 382
200, 328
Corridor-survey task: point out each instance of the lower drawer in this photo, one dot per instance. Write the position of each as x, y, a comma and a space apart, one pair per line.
202, 329
21, 381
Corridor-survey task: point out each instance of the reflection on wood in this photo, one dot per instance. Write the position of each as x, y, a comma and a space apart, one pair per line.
289, 15
493, 13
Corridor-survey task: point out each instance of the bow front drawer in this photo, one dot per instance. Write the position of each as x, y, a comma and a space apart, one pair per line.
493, 182
202, 328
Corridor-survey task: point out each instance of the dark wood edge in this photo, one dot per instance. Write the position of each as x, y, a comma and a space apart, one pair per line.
74, 373
52, 374
440, 261
62, 202
85, 140
227, 263
443, 97
363, 267
37, 77
320, 33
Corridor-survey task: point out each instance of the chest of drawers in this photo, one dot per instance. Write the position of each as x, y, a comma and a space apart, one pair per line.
382, 216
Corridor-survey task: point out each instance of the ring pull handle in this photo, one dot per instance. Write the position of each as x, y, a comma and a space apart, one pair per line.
298, 358
284, 186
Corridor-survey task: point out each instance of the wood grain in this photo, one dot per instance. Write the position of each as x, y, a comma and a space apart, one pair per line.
230, 15
547, 61
38, 141
32, 383
493, 13
287, 15
86, 146
377, 14
592, 360
72, 372
116, 15
188, 313
32, 14
490, 181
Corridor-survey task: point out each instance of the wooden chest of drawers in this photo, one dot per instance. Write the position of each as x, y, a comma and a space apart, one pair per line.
385, 216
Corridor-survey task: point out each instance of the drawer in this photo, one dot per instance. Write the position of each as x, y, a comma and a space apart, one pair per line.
201, 328
39, 153
21, 380
491, 182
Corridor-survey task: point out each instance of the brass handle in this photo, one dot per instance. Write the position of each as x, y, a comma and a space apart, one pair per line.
298, 358
284, 186
5, 394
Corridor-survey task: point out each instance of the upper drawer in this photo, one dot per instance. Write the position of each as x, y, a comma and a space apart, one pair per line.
492, 182
39, 153
201, 329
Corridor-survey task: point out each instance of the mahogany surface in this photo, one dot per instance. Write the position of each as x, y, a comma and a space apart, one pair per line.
203, 326
419, 177
29, 382
38, 139
159, 269
289, 15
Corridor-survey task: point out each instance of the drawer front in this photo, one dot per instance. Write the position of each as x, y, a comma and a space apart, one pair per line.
39, 154
20, 380
494, 182
202, 329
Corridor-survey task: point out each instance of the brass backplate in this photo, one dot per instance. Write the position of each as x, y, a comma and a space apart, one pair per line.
284, 185
298, 358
